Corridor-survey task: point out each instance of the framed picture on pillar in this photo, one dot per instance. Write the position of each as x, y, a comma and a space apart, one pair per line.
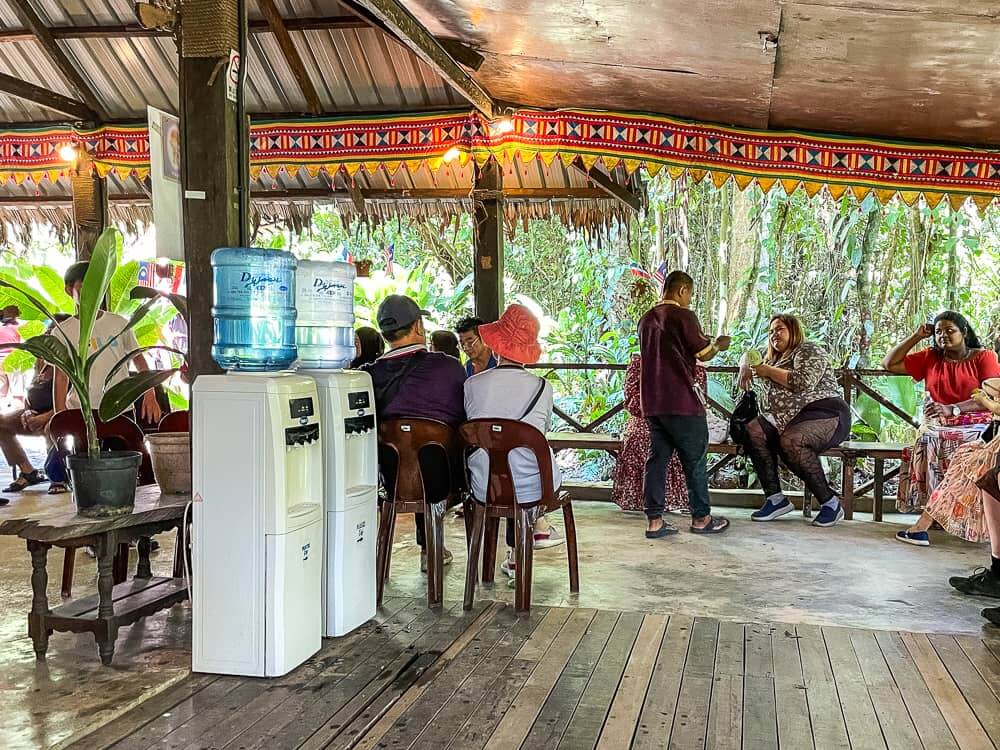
165, 183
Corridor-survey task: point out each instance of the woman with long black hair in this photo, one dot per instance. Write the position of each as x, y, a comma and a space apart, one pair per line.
951, 369
368, 346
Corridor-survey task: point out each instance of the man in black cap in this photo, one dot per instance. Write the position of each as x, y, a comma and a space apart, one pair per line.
410, 381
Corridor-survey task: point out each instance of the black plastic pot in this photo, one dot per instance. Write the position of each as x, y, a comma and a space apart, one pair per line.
104, 486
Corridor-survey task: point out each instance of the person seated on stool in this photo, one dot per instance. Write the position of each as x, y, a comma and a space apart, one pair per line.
413, 383
508, 391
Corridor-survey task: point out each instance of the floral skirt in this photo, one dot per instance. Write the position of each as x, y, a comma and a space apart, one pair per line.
630, 471
957, 503
930, 456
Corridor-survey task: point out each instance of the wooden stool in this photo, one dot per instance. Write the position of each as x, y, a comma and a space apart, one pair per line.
407, 438
498, 437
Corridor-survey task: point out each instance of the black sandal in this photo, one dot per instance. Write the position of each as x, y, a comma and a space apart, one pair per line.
57, 488
25, 480
717, 525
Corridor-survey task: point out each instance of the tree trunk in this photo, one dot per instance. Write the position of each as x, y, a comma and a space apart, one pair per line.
954, 235
863, 282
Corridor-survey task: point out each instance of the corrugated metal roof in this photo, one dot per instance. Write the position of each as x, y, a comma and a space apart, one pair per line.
352, 69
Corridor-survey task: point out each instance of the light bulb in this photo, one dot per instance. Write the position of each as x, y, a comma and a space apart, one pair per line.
502, 126
68, 153
451, 154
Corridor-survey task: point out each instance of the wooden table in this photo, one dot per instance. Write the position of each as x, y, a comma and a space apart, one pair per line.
113, 606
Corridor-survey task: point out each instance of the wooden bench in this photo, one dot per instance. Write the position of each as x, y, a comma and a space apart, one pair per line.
848, 453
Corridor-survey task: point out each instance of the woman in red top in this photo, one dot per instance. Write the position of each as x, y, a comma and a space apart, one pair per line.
951, 369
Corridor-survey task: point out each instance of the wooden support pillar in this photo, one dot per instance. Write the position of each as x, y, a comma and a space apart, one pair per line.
90, 206
215, 175
487, 216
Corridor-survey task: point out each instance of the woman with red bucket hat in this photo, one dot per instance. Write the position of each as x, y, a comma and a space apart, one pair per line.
508, 391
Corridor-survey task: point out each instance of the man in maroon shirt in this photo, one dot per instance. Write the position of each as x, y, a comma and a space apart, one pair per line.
671, 341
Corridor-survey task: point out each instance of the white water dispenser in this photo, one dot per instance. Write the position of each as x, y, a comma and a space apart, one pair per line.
347, 408
257, 523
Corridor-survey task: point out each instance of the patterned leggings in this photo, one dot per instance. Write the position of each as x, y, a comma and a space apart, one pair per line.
799, 446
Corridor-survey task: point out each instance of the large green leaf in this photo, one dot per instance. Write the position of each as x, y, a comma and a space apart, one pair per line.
119, 300
30, 300
179, 301
54, 287
95, 284
123, 394
142, 350
18, 361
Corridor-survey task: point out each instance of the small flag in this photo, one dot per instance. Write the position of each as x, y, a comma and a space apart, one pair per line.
638, 271
661, 273
147, 273
388, 254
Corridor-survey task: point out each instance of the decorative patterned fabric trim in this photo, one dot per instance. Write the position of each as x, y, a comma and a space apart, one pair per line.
765, 158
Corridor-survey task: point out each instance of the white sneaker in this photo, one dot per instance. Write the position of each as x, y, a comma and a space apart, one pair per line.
423, 559
508, 567
548, 538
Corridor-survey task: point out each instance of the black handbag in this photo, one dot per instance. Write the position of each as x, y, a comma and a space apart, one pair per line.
745, 412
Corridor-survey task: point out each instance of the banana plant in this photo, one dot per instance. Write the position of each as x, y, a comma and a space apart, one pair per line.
74, 358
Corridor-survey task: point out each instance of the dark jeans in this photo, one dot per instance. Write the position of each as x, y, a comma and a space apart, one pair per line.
688, 437
55, 466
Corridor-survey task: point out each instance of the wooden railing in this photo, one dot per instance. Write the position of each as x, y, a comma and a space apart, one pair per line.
851, 381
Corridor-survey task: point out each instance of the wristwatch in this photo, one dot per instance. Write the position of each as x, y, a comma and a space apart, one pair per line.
956, 411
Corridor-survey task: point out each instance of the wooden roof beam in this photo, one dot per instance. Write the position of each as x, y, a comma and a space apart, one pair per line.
45, 98
30, 19
392, 16
291, 54
608, 185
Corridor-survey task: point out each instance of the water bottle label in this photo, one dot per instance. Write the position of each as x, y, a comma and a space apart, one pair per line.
328, 289
257, 286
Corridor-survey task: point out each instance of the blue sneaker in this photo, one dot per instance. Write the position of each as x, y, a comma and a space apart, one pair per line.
769, 510
827, 516
919, 538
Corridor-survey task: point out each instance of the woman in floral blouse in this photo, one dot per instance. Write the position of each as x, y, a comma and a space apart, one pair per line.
803, 415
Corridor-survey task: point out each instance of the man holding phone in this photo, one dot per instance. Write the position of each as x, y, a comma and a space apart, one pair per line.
671, 343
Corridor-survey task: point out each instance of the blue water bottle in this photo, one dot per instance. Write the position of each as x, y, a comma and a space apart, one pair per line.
253, 308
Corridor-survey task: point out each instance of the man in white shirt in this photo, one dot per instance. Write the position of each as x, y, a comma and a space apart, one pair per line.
106, 327
508, 391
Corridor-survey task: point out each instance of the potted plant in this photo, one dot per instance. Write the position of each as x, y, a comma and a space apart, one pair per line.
103, 482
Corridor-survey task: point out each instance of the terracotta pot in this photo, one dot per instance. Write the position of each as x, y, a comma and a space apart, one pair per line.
170, 453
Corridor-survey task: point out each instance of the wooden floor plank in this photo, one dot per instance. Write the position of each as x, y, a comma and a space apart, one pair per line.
898, 729
657, 715
154, 731
859, 712
394, 681
977, 693
448, 722
555, 715
690, 725
790, 703
828, 726
293, 721
536, 646
984, 659
964, 725
213, 730
927, 719
144, 713
760, 721
725, 712
516, 723
585, 725
417, 708
619, 727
